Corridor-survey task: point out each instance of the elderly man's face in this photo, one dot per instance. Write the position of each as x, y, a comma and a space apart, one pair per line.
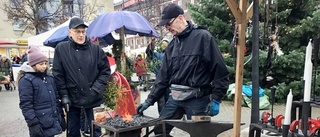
78, 34
174, 25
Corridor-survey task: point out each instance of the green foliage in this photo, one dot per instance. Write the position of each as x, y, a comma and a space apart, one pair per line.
215, 15
2, 76
297, 20
153, 64
127, 74
111, 94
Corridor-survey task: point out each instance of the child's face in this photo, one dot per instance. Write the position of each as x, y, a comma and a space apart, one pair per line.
42, 66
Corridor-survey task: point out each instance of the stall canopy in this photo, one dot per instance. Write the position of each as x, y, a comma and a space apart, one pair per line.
40, 38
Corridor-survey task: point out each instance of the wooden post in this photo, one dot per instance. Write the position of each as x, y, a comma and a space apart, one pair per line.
242, 25
123, 52
240, 12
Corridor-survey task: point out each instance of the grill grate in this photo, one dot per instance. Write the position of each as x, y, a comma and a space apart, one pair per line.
118, 122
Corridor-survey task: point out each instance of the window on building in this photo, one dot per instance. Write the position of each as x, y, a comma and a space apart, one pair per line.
15, 3
17, 26
137, 41
132, 42
100, 10
142, 41
67, 7
128, 42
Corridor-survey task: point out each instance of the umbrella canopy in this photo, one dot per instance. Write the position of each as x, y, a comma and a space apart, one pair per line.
62, 34
40, 38
59, 35
133, 23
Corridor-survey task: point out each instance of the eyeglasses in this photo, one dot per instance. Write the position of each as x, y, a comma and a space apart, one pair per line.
169, 23
79, 31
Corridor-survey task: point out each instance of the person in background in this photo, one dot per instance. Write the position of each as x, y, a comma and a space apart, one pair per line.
156, 57
193, 68
39, 100
16, 59
81, 72
5, 69
140, 67
24, 57
5, 65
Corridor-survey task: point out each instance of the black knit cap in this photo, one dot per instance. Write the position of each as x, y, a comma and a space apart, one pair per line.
169, 12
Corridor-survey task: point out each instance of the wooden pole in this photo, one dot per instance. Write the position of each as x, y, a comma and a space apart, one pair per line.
242, 25
123, 52
240, 13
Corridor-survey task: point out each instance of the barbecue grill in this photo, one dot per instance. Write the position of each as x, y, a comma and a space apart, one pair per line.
120, 128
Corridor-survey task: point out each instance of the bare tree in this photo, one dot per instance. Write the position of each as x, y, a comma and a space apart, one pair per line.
32, 16
151, 10
87, 11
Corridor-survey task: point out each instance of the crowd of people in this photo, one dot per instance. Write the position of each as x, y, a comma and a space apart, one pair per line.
191, 78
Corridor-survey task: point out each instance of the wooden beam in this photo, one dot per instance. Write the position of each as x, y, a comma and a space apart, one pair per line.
242, 25
123, 52
234, 7
250, 10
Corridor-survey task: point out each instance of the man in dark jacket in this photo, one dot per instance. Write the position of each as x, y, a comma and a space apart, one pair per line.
192, 67
81, 71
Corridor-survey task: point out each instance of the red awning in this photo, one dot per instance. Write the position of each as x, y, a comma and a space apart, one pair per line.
5, 42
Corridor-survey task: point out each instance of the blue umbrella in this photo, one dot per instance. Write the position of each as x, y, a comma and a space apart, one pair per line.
61, 34
58, 36
133, 23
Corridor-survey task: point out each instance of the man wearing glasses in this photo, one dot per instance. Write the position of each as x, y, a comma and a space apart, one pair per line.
81, 71
192, 67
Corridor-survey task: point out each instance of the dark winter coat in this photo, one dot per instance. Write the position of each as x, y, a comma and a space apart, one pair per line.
24, 58
192, 59
39, 102
5, 67
81, 72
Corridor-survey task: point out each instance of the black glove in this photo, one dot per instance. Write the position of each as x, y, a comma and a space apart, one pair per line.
142, 107
63, 123
36, 131
66, 102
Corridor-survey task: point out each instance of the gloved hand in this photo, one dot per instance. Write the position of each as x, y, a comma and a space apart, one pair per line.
213, 108
36, 131
66, 102
142, 107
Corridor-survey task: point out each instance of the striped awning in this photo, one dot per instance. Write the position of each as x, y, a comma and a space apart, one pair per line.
2, 42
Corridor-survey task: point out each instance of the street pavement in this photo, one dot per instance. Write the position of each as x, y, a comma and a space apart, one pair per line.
12, 123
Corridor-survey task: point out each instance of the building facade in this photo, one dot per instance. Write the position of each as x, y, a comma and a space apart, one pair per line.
12, 31
151, 10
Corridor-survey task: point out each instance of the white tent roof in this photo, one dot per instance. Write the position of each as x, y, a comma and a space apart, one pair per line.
40, 38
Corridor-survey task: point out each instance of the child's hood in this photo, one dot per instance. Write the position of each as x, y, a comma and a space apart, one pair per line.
26, 67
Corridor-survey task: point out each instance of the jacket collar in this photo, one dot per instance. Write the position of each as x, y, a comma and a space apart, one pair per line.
79, 46
186, 31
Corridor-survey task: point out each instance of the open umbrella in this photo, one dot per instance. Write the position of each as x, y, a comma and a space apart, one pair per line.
123, 22
132, 22
61, 34
58, 36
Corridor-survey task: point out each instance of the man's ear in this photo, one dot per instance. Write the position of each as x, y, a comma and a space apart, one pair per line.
69, 31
